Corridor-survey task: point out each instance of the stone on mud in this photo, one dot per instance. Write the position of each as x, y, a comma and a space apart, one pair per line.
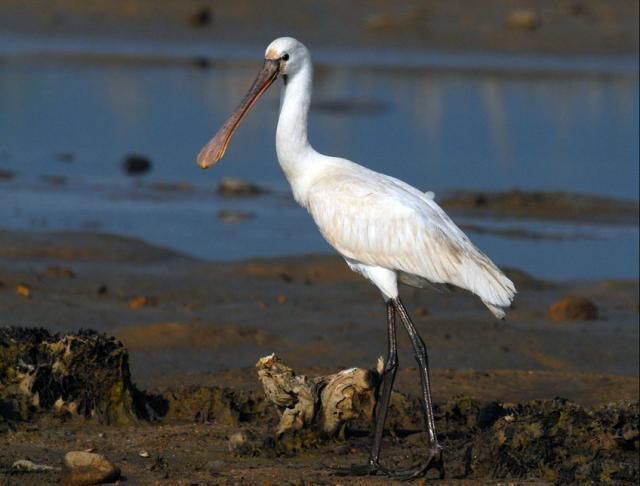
84, 468
573, 309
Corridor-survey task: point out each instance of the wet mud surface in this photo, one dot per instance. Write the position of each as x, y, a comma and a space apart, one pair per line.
193, 331
548, 205
586, 26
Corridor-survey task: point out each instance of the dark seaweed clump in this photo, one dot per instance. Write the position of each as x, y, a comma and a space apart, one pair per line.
81, 375
552, 440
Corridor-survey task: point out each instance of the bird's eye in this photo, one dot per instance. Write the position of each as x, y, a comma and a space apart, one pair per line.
285, 57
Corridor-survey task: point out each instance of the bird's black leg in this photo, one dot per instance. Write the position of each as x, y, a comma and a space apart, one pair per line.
434, 456
434, 459
388, 377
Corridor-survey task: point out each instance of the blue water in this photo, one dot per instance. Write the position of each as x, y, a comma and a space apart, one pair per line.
437, 129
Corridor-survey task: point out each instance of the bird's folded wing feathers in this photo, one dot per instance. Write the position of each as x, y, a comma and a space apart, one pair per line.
382, 221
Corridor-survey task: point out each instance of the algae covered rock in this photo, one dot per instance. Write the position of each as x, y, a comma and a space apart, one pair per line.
82, 375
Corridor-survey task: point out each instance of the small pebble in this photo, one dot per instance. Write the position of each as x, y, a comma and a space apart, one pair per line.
24, 290
243, 443
236, 187
144, 454
138, 302
26, 465
228, 216
55, 271
422, 311
66, 157
202, 18
53, 179
523, 19
135, 164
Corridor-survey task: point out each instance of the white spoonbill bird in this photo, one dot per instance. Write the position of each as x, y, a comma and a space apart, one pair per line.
384, 228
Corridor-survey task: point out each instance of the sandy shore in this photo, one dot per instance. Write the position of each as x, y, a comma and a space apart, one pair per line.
189, 322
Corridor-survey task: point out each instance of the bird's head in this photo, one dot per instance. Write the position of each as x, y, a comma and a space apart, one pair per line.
284, 56
290, 54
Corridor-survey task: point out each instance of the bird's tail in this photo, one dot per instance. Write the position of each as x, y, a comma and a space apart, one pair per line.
488, 282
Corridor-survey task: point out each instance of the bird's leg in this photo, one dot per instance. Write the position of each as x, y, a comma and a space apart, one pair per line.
388, 377
434, 460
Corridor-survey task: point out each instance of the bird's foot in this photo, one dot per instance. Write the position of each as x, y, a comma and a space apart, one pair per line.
434, 461
371, 468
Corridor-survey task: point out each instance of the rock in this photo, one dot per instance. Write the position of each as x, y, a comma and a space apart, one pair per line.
421, 311
54, 180
244, 443
25, 465
573, 309
54, 271
6, 174
142, 301
179, 186
387, 22
523, 19
236, 187
66, 157
135, 164
202, 18
83, 468
144, 454
227, 216
202, 62
24, 290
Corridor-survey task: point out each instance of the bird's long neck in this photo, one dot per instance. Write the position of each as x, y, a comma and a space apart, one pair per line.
292, 145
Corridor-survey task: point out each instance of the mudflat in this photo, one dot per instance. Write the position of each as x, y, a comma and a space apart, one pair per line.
189, 324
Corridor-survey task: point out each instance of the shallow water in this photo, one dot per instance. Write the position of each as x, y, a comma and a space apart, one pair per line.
438, 129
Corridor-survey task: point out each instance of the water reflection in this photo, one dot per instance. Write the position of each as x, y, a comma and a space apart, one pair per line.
438, 131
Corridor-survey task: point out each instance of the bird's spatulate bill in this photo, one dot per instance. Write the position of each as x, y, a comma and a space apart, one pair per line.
214, 150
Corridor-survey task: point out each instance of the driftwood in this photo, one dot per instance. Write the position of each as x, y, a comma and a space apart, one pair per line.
325, 402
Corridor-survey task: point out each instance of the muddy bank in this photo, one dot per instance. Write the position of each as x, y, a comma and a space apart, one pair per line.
553, 441
563, 206
584, 27
192, 331
180, 316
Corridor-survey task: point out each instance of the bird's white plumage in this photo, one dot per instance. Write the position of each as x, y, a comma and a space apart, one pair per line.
383, 227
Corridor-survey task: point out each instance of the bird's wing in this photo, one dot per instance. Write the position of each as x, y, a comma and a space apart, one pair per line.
382, 221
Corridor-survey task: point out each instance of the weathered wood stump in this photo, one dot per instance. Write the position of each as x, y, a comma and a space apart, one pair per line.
323, 402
